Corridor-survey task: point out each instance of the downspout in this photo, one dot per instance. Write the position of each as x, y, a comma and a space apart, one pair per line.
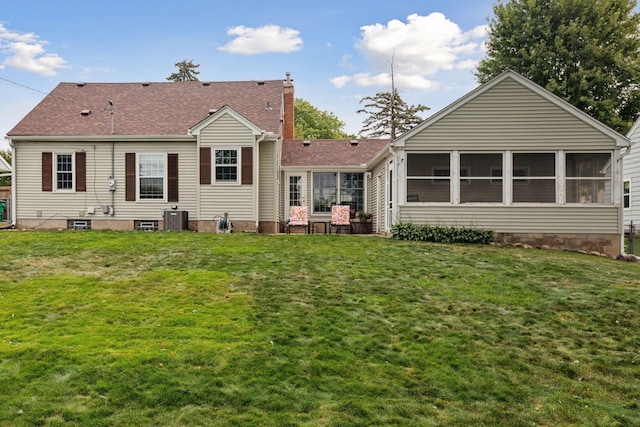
112, 178
256, 169
627, 150
14, 213
394, 188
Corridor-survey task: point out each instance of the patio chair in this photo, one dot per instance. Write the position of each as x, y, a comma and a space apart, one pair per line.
340, 218
298, 217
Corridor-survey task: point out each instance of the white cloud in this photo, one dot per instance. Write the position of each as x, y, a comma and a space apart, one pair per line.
266, 39
26, 52
420, 47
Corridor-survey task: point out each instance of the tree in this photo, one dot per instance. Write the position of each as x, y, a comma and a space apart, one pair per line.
389, 115
312, 123
584, 51
186, 72
5, 181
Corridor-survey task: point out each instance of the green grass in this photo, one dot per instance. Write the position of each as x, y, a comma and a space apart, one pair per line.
186, 329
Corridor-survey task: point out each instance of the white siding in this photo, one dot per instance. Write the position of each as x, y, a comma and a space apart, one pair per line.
33, 203
510, 116
632, 173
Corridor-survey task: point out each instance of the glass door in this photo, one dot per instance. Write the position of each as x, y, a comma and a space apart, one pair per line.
296, 190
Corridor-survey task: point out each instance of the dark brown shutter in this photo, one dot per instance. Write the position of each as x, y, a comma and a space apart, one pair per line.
247, 165
205, 165
81, 171
47, 171
172, 173
130, 177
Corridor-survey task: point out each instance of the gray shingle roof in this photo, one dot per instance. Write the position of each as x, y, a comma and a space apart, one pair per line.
163, 108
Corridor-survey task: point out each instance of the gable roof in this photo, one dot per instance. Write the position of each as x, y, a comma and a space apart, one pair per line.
149, 109
331, 152
225, 110
619, 139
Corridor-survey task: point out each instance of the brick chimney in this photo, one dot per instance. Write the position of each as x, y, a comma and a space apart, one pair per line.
288, 126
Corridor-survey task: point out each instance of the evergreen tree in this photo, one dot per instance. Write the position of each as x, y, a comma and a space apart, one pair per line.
389, 115
584, 51
186, 72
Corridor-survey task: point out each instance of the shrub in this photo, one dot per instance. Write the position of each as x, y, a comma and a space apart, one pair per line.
441, 234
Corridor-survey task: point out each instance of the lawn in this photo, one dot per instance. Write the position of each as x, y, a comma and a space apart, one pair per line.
186, 329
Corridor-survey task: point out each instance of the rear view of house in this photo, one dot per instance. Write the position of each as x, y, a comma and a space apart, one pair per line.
118, 155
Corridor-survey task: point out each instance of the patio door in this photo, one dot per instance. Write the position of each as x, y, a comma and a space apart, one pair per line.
296, 190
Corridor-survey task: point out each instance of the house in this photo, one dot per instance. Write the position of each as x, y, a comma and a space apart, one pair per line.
631, 179
511, 157
119, 155
508, 156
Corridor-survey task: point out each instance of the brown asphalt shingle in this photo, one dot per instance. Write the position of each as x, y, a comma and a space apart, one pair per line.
331, 152
162, 108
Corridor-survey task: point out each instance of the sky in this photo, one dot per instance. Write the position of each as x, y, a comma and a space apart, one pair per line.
336, 51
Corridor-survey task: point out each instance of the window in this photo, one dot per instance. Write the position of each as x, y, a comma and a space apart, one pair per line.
588, 178
151, 177
428, 177
226, 166
540, 183
64, 171
295, 190
483, 173
626, 193
331, 188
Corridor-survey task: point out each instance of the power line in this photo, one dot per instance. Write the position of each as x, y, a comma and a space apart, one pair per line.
24, 86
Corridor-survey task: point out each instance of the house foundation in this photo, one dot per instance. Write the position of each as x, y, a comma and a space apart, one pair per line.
608, 244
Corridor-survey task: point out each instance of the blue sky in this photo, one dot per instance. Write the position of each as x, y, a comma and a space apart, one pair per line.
337, 51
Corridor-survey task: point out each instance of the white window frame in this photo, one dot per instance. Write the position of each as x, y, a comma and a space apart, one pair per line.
493, 180
565, 178
238, 166
72, 172
338, 189
164, 177
626, 194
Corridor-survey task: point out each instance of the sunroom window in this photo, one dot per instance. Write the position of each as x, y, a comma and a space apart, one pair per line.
428, 177
483, 178
534, 178
588, 178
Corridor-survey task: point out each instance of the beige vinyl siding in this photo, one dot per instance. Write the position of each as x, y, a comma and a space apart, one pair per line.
509, 116
518, 219
268, 200
235, 199
378, 195
59, 205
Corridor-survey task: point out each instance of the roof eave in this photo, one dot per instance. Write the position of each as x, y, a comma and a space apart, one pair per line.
101, 138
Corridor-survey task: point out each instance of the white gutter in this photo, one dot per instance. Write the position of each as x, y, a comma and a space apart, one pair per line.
14, 212
627, 150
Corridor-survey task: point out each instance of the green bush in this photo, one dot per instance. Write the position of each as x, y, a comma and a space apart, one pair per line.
439, 234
